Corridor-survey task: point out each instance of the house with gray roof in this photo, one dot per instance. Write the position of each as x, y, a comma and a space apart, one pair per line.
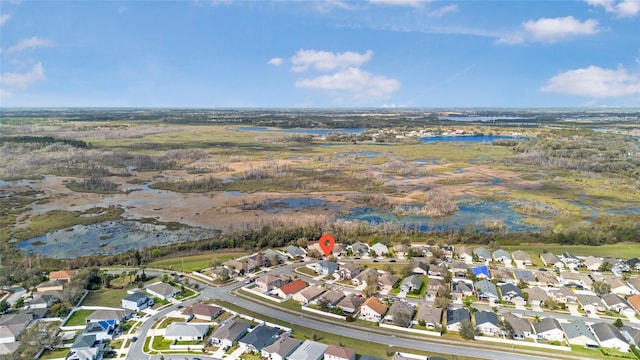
186, 332
348, 271
231, 331
459, 269
487, 322
400, 307
309, 350
308, 294
431, 315
411, 283
162, 290
537, 296
419, 267
486, 290
281, 348
521, 327
103, 331
351, 303
548, 329
86, 347
12, 325
326, 267
590, 303
501, 256
578, 333
137, 301
386, 281
114, 315
460, 290
364, 276
259, 337
610, 337
295, 252
632, 334
359, 248
550, 259
455, 317
482, 253
616, 303
379, 249
332, 297
521, 258
512, 293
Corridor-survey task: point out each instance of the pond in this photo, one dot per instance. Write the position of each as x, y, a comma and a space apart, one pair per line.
478, 118
480, 215
111, 237
277, 205
468, 138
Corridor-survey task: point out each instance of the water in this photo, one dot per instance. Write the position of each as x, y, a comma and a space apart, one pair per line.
470, 213
468, 138
478, 118
111, 237
277, 205
320, 132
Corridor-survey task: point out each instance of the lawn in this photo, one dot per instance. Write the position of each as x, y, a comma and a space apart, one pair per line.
193, 262
78, 318
620, 250
306, 271
55, 354
109, 297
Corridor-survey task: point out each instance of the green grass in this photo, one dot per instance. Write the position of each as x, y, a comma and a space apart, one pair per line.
621, 250
78, 318
306, 271
55, 354
193, 262
105, 297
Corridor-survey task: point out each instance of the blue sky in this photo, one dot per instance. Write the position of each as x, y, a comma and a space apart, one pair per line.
287, 53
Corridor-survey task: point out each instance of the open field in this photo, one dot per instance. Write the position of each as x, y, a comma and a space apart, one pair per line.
193, 262
621, 250
79, 318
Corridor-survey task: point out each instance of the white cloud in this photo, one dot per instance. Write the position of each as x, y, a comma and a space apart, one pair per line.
4, 18
361, 84
328, 5
442, 11
624, 8
596, 82
31, 43
411, 3
276, 61
326, 60
220, 2
14, 80
551, 30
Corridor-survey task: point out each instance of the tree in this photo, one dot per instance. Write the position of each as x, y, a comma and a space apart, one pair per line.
467, 330
506, 328
370, 289
604, 267
551, 304
4, 306
467, 302
522, 284
406, 270
390, 269
601, 287
215, 262
618, 323
401, 318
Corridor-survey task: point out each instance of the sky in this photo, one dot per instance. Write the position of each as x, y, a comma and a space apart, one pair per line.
320, 54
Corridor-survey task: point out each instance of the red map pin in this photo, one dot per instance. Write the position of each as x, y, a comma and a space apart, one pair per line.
326, 243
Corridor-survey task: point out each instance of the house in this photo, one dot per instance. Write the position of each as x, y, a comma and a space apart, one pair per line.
162, 291
633, 263
512, 293
348, 271
501, 256
460, 290
619, 287
482, 253
86, 347
502, 275
309, 350
186, 332
339, 353
487, 322
411, 283
270, 281
51, 285
590, 303
481, 272
548, 329
521, 327
229, 332
287, 290
102, 330
570, 260
400, 249
551, 260
308, 294
259, 337
419, 268
455, 317
137, 301
632, 334
351, 303
433, 285
447, 251
379, 249
9, 331
257, 261
536, 296
43, 300
275, 257
364, 277
576, 280
373, 309
339, 250
387, 281
236, 265
332, 297
610, 337
431, 315
547, 280
325, 267
563, 295
464, 254
634, 301
281, 348
525, 276
110, 315
592, 263
486, 291
221, 273
635, 283
63, 275
438, 270
400, 313
616, 303
295, 252
202, 311
458, 269
578, 333
10, 348
359, 249
521, 258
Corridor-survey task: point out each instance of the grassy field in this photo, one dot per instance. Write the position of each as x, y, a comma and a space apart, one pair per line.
79, 318
193, 262
109, 297
621, 250
55, 354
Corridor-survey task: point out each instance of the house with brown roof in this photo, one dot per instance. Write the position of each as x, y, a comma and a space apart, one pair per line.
349, 270
386, 281
281, 348
364, 276
521, 327
202, 311
307, 295
51, 285
373, 309
634, 301
537, 296
269, 282
431, 315
351, 303
619, 287
287, 290
64, 275
401, 313
339, 353
521, 258
332, 297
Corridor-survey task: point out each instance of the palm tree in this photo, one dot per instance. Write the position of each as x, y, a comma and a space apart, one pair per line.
536, 318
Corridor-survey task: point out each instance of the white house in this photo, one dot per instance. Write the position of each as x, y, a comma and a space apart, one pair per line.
373, 309
186, 332
610, 337
548, 329
380, 249
137, 301
162, 290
